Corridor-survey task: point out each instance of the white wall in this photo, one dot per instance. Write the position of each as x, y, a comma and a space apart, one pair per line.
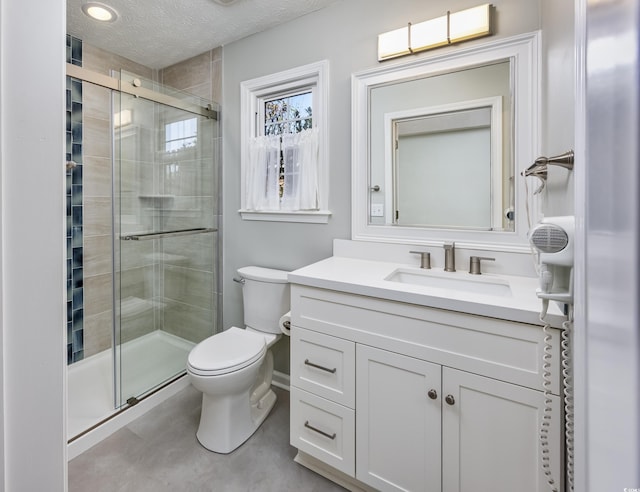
345, 33
607, 359
558, 101
32, 158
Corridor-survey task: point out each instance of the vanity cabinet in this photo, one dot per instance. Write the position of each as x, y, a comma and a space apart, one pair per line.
391, 396
398, 425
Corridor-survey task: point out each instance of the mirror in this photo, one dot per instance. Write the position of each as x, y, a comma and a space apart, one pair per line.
437, 153
439, 143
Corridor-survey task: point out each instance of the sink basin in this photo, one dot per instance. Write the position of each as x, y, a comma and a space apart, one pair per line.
454, 281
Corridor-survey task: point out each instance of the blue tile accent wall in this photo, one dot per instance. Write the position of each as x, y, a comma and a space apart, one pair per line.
75, 294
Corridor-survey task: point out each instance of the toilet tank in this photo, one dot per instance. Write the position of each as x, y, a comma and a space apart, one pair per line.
265, 294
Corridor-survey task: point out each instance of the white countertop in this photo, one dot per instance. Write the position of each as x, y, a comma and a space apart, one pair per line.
366, 277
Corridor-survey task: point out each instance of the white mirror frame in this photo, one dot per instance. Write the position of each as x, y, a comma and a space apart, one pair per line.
524, 53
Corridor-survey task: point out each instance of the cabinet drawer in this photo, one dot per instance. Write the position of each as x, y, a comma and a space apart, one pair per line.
323, 429
323, 365
504, 350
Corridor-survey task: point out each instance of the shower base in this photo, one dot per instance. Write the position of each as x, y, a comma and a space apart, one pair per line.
146, 362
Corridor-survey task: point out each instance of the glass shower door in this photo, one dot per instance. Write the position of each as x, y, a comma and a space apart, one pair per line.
166, 246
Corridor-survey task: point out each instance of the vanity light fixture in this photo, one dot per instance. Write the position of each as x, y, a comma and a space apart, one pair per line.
100, 11
451, 28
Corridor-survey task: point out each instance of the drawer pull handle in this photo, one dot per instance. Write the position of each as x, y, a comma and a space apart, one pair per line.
330, 436
332, 371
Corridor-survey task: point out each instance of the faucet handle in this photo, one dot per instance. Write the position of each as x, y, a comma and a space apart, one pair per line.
449, 257
425, 259
474, 264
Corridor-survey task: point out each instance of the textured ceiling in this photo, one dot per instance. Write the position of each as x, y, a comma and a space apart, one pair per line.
159, 33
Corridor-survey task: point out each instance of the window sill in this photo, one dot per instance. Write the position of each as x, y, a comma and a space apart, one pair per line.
311, 217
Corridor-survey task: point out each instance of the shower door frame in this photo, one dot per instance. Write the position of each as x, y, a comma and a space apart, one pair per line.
134, 88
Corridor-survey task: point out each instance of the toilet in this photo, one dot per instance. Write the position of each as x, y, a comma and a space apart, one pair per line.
233, 369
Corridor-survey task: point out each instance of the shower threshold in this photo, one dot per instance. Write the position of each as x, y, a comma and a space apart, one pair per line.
91, 415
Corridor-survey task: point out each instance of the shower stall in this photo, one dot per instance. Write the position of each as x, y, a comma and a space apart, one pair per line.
142, 238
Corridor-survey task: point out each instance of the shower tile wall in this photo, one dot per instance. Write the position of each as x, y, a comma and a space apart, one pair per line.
200, 75
98, 203
191, 287
75, 292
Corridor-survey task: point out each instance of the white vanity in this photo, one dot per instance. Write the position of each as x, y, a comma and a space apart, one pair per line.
398, 386
410, 379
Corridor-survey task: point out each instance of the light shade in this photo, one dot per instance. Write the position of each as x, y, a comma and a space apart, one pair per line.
122, 118
470, 24
99, 11
393, 43
451, 28
429, 34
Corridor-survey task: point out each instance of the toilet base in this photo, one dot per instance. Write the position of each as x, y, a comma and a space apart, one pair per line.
227, 423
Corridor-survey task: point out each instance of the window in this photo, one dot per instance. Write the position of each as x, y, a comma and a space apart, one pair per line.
181, 134
284, 146
287, 115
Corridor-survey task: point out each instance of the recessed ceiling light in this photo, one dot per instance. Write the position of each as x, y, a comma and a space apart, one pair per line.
99, 11
225, 2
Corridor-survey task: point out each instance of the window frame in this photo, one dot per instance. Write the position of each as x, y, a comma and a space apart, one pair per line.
253, 93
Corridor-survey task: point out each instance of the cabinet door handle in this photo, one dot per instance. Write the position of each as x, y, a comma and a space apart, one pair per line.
332, 371
330, 436
433, 394
450, 399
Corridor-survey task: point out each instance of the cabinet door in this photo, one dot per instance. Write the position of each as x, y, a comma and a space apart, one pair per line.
490, 435
398, 425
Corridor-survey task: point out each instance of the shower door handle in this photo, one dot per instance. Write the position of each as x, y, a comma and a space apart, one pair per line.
163, 234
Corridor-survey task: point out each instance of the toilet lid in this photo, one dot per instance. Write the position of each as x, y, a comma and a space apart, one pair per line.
228, 351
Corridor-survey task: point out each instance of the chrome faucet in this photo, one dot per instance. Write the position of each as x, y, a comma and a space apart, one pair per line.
474, 264
449, 257
425, 258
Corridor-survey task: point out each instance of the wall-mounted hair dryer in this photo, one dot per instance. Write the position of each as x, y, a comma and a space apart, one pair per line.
539, 168
553, 238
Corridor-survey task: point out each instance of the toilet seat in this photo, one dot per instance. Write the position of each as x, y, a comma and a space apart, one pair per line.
226, 352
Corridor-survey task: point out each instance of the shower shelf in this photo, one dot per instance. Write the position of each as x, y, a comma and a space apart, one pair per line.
163, 234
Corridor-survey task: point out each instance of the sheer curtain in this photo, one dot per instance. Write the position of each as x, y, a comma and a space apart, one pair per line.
300, 161
261, 192
300, 153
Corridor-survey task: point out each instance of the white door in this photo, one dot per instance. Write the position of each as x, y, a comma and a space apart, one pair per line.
398, 421
490, 435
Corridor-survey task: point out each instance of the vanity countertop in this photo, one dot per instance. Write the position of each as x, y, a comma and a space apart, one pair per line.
367, 278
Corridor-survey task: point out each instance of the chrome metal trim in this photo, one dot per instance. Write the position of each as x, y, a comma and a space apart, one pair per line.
314, 429
425, 259
474, 264
128, 406
307, 363
134, 90
163, 234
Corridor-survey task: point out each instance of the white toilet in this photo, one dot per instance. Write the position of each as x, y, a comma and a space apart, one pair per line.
233, 369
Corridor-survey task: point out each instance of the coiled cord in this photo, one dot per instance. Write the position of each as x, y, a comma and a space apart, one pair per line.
546, 416
567, 383
567, 380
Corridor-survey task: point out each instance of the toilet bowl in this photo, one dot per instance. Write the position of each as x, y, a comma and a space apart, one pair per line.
233, 369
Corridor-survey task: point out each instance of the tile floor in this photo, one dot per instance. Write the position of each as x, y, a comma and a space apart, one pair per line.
159, 453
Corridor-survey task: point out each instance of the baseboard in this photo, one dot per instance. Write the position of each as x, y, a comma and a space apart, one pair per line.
331, 473
281, 380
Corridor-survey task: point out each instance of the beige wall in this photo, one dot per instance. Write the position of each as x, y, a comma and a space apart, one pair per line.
190, 273
97, 188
